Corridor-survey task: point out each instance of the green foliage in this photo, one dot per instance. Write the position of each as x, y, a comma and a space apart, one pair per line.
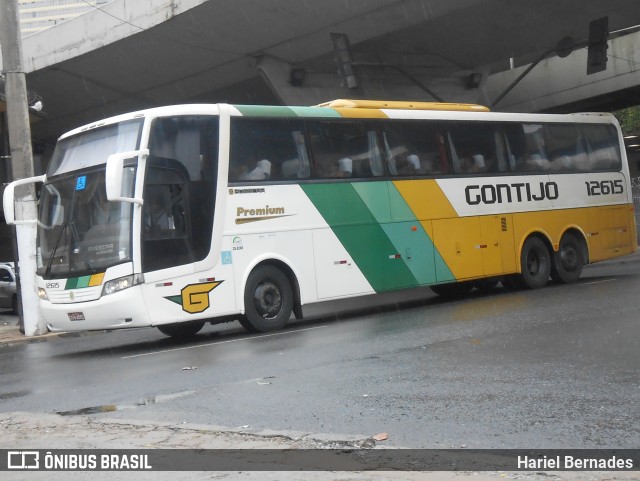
629, 119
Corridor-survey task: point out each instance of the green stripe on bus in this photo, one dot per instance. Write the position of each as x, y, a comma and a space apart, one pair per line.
401, 210
404, 230
280, 111
317, 112
77, 282
414, 248
266, 111
375, 195
361, 235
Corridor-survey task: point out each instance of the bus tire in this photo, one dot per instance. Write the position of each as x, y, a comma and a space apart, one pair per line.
181, 330
452, 290
568, 261
268, 300
535, 264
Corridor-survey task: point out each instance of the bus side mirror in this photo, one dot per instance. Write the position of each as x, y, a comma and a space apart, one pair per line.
113, 175
8, 200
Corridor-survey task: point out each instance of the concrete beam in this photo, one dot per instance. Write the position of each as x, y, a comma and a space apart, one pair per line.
98, 28
376, 81
562, 81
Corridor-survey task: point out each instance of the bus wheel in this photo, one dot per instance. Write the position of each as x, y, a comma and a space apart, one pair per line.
453, 290
535, 264
181, 330
568, 261
268, 300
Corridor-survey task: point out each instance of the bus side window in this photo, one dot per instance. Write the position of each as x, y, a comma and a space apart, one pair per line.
413, 148
474, 148
602, 146
267, 149
535, 157
375, 156
566, 148
502, 153
509, 152
297, 167
340, 149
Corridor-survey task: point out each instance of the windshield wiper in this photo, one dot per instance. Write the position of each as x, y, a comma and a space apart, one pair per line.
76, 240
55, 248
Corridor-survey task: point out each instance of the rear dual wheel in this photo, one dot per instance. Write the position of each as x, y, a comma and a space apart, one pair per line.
568, 261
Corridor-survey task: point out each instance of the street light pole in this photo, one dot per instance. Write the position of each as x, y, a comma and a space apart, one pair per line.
21, 164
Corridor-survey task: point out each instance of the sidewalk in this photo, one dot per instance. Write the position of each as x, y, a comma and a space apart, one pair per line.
10, 331
9, 327
10, 334
22, 430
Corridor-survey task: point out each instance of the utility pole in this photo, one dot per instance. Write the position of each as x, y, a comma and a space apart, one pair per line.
21, 165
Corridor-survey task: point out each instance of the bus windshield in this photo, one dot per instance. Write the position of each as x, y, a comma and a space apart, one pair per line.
80, 232
92, 147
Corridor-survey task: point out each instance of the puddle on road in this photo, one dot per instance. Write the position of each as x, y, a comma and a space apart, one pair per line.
12, 395
107, 408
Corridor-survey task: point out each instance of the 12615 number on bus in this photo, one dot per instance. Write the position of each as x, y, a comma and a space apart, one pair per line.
604, 187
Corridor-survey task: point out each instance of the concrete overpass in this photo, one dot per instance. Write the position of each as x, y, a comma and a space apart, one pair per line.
131, 55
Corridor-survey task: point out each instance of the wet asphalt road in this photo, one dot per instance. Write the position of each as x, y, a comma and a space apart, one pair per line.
552, 368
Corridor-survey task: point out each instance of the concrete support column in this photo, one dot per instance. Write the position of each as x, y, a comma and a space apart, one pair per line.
21, 164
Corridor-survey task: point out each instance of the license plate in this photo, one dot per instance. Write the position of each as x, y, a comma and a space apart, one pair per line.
76, 316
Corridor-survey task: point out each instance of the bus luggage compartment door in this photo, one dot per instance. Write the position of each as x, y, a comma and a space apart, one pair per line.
470, 246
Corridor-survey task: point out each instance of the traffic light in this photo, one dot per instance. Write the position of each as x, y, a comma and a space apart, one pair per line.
342, 50
597, 46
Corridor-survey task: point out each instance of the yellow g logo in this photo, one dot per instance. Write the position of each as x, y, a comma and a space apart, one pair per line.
194, 298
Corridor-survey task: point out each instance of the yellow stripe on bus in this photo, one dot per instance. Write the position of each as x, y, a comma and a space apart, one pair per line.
96, 280
361, 113
401, 105
426, 199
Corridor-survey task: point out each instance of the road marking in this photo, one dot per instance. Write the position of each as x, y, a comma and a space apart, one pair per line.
284, 333
598, 282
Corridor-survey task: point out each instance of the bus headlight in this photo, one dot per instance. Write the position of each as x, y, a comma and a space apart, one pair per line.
121, 283
42, 294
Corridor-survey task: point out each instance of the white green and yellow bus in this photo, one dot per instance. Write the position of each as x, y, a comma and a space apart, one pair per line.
177, 216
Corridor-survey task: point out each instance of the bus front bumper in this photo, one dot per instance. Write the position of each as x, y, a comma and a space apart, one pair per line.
116, 311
